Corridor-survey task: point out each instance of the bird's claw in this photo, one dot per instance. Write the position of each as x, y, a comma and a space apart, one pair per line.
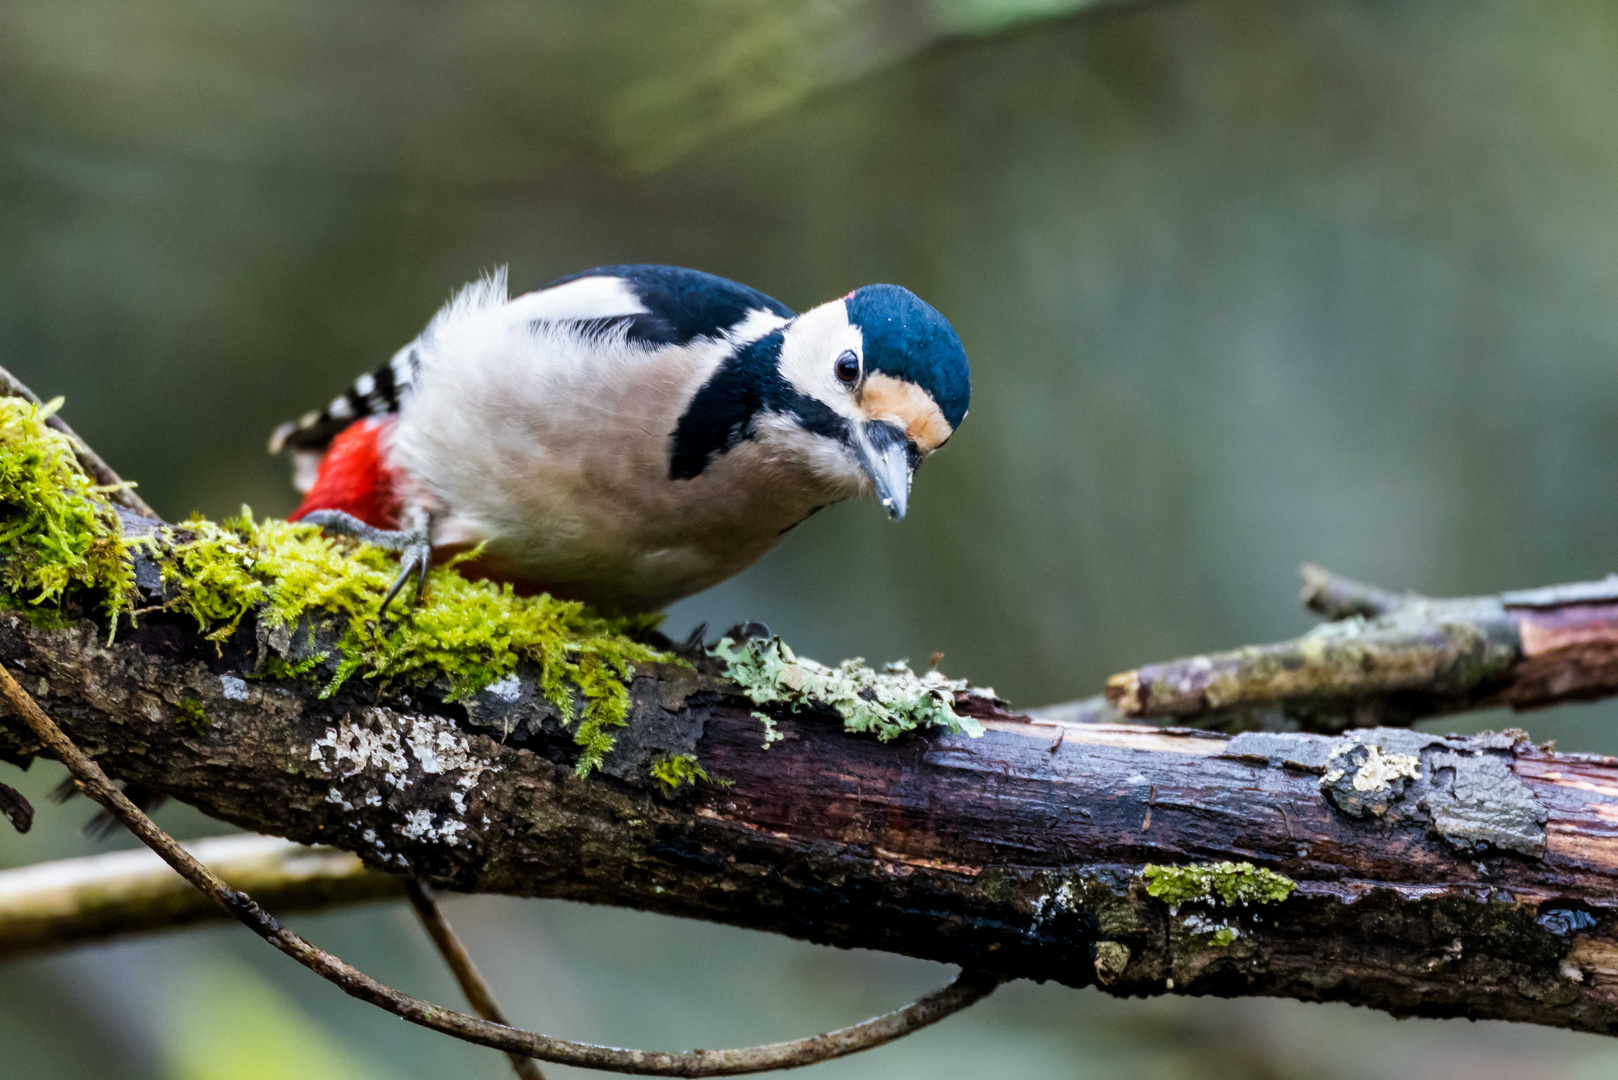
413, 562
696, 641
414, 546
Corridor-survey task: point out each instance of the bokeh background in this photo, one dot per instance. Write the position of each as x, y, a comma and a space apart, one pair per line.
1244, 282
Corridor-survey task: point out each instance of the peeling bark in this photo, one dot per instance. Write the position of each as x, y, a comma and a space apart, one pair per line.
1434, 876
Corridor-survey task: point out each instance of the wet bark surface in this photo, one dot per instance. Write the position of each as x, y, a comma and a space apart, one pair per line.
1434, 876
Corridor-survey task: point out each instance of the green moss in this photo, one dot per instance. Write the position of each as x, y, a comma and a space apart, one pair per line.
885, 703
208, 571
468, 633
58, 533
680, 769
279, 667
191, 717
1224, 883
1222, 937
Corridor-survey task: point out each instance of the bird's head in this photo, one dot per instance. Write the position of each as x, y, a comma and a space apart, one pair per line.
860, 391
882, 379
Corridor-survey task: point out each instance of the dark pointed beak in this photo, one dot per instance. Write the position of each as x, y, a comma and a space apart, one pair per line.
885, 454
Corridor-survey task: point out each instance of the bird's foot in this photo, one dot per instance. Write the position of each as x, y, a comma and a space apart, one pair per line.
414, 545
696, 643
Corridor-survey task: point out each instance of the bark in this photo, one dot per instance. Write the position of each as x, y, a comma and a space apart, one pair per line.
1433, 876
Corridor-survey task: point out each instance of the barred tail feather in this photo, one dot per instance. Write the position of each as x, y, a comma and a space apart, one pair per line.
375, 394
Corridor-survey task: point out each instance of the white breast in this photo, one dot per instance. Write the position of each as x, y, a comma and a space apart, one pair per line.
553, 445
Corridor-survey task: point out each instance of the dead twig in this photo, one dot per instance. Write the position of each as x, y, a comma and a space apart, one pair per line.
1338, 597
1393, 658
455, 954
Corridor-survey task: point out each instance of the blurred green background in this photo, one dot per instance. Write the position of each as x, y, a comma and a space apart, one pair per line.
1244, 282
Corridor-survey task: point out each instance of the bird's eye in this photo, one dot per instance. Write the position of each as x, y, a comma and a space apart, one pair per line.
847, 368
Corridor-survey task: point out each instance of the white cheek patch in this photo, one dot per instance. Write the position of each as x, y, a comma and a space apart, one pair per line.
809, 352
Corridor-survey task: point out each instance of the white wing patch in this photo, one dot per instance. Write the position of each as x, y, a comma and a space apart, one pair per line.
583, 299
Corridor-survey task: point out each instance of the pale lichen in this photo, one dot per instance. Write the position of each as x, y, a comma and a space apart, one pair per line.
1379, 770
381, 745
1230, 883
885, 703
1218, 933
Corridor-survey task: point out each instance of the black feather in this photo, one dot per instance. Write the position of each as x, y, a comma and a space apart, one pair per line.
724, 412
681, 305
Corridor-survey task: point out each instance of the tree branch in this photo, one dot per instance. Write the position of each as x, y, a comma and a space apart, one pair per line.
1394, 659
1415, 873
1433, 875
54, 904
968, 987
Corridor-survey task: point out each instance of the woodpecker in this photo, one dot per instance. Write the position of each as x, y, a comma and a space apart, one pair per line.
628, 435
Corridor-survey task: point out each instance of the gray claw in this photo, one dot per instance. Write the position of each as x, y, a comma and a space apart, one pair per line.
413, 563
414, 545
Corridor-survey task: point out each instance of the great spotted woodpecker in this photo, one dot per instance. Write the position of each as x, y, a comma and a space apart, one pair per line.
629, 435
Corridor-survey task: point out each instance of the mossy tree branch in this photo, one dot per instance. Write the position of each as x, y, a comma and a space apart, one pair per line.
1413, 873
1434, 876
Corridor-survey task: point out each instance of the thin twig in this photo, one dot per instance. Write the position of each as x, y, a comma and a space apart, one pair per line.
450, 946
1338, 597
118, 489
968, 987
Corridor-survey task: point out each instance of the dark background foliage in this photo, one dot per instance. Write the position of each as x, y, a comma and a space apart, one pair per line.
1244, 282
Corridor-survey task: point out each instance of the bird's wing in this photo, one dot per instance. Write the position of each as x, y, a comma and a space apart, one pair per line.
656, 305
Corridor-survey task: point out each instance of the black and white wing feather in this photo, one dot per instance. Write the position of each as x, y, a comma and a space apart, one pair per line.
652, 305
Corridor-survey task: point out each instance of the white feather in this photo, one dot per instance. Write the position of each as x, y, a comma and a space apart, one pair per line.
585, 298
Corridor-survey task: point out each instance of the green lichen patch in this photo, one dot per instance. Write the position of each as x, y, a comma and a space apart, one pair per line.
468, 633
1223, 883
1216, 933
58, 533
680, 769
885, 703
189, 715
